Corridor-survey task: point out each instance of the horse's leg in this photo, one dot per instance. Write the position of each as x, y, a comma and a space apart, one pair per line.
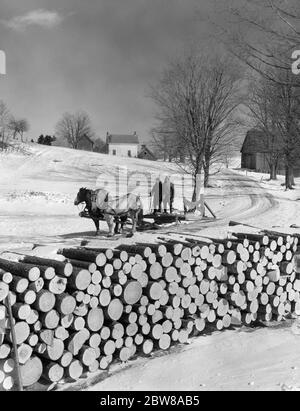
110, 222
123, 222
117, 221
134, 217
140, 217
97, 224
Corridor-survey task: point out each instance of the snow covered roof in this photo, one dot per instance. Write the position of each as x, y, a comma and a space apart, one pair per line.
122, 139
257, 141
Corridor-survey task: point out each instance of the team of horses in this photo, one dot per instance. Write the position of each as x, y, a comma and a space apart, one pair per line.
100, 205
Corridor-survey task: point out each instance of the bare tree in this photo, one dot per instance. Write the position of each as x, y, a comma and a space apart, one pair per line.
261, 33
19, 127
166, 142
262, 111
74, 127
196, 99
222, 98
274, 107
5, 131
286, 99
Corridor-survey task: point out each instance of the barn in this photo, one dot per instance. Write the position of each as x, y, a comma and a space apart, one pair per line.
86, 144
123, 145
146, 154
257, 150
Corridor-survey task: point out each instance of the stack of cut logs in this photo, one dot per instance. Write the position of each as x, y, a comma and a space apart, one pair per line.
77, 315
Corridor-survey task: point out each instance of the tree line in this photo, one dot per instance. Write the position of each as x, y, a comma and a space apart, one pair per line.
10, 126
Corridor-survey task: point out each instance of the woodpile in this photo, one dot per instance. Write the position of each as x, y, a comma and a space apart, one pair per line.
76, 316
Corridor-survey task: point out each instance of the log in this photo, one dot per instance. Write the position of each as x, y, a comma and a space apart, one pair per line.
115, 310
22, 332
132, 330
95, 340
21, 311
79, 254
24, 353
53, 372
105, 298
37, 285
96, 277
67, 320
27, 271
66, 359
132, 292
105, 333
33, 317
87, 355
164, 342
118, 331
55, 351
61, 268
50, 319
6, 277
31, 371
5, 350
45, 301
74, 370
156, 271
46, 337
78, 324
19, 284
154, 290
80, 279
61, 333
57, 285
95, 318
91, 267
65, 304
27, 297
108, 347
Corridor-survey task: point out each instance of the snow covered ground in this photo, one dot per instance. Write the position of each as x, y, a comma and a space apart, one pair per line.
38, 186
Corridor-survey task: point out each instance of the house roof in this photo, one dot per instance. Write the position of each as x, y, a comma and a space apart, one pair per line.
122, 139
144, 149
85, 137
257, 141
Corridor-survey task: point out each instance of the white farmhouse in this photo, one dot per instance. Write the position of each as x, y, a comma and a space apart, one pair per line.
123, 145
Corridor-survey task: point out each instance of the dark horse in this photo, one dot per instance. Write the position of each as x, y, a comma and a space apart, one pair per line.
115, 211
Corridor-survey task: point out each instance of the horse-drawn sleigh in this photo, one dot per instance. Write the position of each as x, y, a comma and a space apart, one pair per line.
117, 211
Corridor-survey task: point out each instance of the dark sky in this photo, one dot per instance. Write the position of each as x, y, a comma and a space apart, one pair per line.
95, 55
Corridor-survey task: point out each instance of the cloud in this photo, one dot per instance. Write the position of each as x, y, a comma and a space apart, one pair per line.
42, 18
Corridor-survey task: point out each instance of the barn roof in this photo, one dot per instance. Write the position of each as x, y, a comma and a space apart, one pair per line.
257, 141
87, 138
145, 149
122, 139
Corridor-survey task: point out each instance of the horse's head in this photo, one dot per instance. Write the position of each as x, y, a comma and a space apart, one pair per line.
81, 196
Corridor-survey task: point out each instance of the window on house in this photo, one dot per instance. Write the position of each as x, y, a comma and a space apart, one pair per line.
114, 152
129, 153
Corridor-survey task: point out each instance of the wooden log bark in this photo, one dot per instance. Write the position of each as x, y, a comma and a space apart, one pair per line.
62, 268
31, 272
